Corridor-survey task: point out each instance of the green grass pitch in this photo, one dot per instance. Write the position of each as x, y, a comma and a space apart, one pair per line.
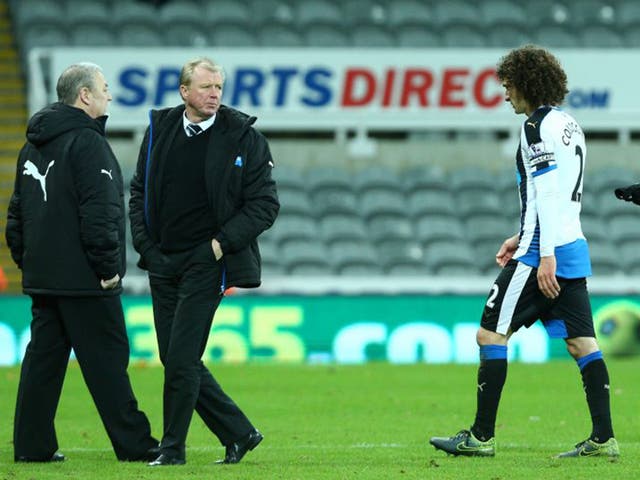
354, 422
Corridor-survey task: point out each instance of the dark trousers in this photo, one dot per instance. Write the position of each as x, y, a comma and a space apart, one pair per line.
183, 309
94, 327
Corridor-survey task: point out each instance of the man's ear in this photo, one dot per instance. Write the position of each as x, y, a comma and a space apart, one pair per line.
183, 91
84, 95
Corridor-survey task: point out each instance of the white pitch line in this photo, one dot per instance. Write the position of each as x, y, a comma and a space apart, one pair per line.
332, 446
262, 447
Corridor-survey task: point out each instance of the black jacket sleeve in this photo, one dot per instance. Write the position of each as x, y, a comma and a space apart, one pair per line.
99, 204
629, 194
151, 258
259, 195
13, 232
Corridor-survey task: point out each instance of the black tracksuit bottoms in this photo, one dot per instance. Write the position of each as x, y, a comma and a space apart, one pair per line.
94, 327
183, 307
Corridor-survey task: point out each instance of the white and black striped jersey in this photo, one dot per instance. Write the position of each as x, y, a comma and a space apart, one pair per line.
550, 166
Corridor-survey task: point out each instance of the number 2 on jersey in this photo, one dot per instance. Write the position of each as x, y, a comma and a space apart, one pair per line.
576, 196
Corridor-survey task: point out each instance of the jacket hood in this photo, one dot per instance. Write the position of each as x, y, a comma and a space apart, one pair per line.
57, 119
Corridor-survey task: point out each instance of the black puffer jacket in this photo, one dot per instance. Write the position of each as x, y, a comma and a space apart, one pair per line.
242, 194
65, 224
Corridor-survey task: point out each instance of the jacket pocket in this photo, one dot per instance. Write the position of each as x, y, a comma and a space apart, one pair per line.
203, 253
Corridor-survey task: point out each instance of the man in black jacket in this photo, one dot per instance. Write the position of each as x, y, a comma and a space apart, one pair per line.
65, 229
201, 195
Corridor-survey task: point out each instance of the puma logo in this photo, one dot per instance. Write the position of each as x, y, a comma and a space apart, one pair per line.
481, 386
107, 172
533, 124
31, 169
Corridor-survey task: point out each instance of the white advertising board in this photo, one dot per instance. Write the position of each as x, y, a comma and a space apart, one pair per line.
375, 89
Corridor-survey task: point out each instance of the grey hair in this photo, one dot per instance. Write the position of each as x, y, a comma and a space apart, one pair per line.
204, 62
75, 78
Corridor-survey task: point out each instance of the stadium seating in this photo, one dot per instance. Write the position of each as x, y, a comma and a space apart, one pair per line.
183, 11
593, 227
631, 35
222, 12
609, 206
306, 257
293, 227
624, 229
410, 12
272, 11
628, 13
548, 12
452, 225
341, 202
456, 12
451, 258
330, 23
92, 34
604, 258
81, 11
310, 12
377, 178
380, 203
493, 228
184, 33
600, 36
508, 35
607, 180
485, 256
463, 35
369, 36
495, 14
398, 254
322, 35
37, 12
416, 36
471, 203
37, 35
429, 202
593, 12
336, 227
427, 177
383, 228
354, 257
276, 35
365, 12
439, 227
231, 34
134, 12
473, 180
271, 259
556, 36
630, 259
139, 34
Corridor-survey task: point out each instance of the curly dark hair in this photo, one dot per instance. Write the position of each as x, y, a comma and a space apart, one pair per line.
535, 73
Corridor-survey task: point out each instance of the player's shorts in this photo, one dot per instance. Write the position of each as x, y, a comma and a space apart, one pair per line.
516, 301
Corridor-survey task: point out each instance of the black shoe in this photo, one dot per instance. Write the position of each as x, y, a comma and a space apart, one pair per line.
237, 450
165, 459
150, 455
56, 457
